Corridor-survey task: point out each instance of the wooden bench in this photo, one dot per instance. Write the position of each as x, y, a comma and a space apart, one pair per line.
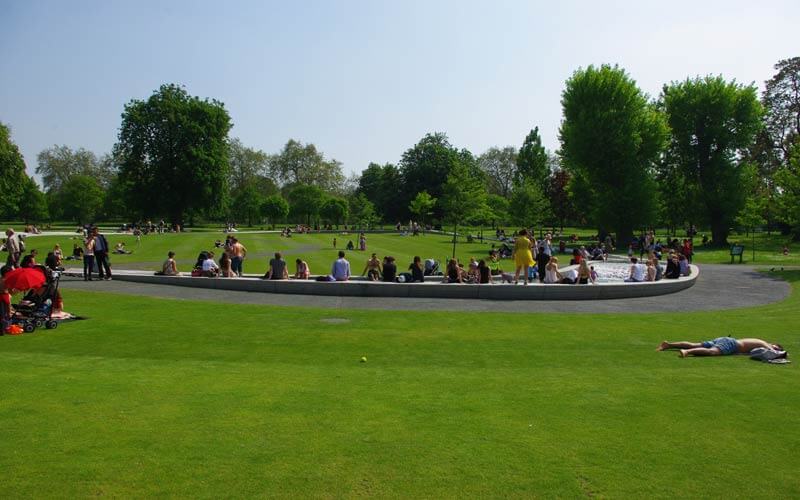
737, 250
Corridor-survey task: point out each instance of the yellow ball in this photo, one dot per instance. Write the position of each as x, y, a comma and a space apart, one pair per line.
363, 359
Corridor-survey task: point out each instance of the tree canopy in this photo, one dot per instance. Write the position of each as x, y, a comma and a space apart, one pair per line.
300, 163
712, 122
532, 161
500, 166
611, 137
12, 174
173, 154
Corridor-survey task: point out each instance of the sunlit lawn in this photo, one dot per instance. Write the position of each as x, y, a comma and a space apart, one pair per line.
154, 397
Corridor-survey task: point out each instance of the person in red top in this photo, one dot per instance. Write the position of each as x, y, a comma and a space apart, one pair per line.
686, 250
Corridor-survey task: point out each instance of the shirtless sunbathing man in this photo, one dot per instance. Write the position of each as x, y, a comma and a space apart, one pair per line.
717, 347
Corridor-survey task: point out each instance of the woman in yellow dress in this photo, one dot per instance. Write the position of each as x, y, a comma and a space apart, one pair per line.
523, 258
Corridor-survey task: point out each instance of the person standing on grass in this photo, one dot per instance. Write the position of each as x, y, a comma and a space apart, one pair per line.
101, 250
720, 346
238, 253
88, 258
13, 248
341, 268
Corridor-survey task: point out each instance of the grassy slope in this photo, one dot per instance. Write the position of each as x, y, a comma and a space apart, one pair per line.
248, 400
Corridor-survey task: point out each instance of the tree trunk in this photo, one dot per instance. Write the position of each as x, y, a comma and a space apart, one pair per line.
624, 237
719, 234
455, 238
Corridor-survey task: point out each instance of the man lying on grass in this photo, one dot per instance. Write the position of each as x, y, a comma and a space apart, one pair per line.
719, 346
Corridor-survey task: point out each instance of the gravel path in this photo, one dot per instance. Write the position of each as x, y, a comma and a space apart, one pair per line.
718, 287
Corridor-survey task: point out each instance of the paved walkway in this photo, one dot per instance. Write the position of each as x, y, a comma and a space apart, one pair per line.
718, 287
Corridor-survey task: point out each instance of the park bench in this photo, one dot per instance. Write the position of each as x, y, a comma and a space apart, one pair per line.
737, 250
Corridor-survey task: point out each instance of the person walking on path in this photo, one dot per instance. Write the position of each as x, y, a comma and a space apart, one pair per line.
523, 258
101, 250
238, 253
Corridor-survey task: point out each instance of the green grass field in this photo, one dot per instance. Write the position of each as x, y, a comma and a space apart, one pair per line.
153, 397
318, 251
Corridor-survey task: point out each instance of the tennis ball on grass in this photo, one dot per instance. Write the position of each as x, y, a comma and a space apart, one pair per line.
363, 359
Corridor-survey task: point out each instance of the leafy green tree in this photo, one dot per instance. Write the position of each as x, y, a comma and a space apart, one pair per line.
533, 161
300, 163
500, 166
499, 209
58, 164
12, 174
80, 198
528, 207
379, 183
173, 154
427, 165
558, 196
788, 180
422, 206
247, 204
362, 211
712, 123
781, 101
274, 208
334, 210
247, 166
462, 199
33, 203
305, 201
611, 136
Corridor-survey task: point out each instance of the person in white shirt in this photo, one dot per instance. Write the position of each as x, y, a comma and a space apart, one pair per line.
637, 271
210, 268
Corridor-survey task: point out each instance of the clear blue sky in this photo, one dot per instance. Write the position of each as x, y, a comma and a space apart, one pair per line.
363, 80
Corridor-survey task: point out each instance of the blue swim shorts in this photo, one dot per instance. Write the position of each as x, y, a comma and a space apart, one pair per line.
726, 345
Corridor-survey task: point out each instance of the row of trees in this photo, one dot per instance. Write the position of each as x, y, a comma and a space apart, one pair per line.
706, 151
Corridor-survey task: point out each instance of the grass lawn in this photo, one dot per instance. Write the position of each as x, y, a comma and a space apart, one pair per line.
155, 397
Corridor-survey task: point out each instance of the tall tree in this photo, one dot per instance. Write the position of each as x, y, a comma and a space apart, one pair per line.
80, 198
561, 203
422, 206
781, 101
788, 178
12, 174
173, 154
462, 199
33, 203
274, 208
712, 123
499, 209
247, 204
426, 167
379, 183
334, 210
246, 165
611, 136
300, 163
305, 201
528, 207
362, 211
533, 161
500, 166
58, 164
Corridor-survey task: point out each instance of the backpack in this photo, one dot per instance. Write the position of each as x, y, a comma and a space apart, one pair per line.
21, 241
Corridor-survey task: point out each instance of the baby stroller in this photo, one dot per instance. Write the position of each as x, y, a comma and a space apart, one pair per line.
431, 267
36, 308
